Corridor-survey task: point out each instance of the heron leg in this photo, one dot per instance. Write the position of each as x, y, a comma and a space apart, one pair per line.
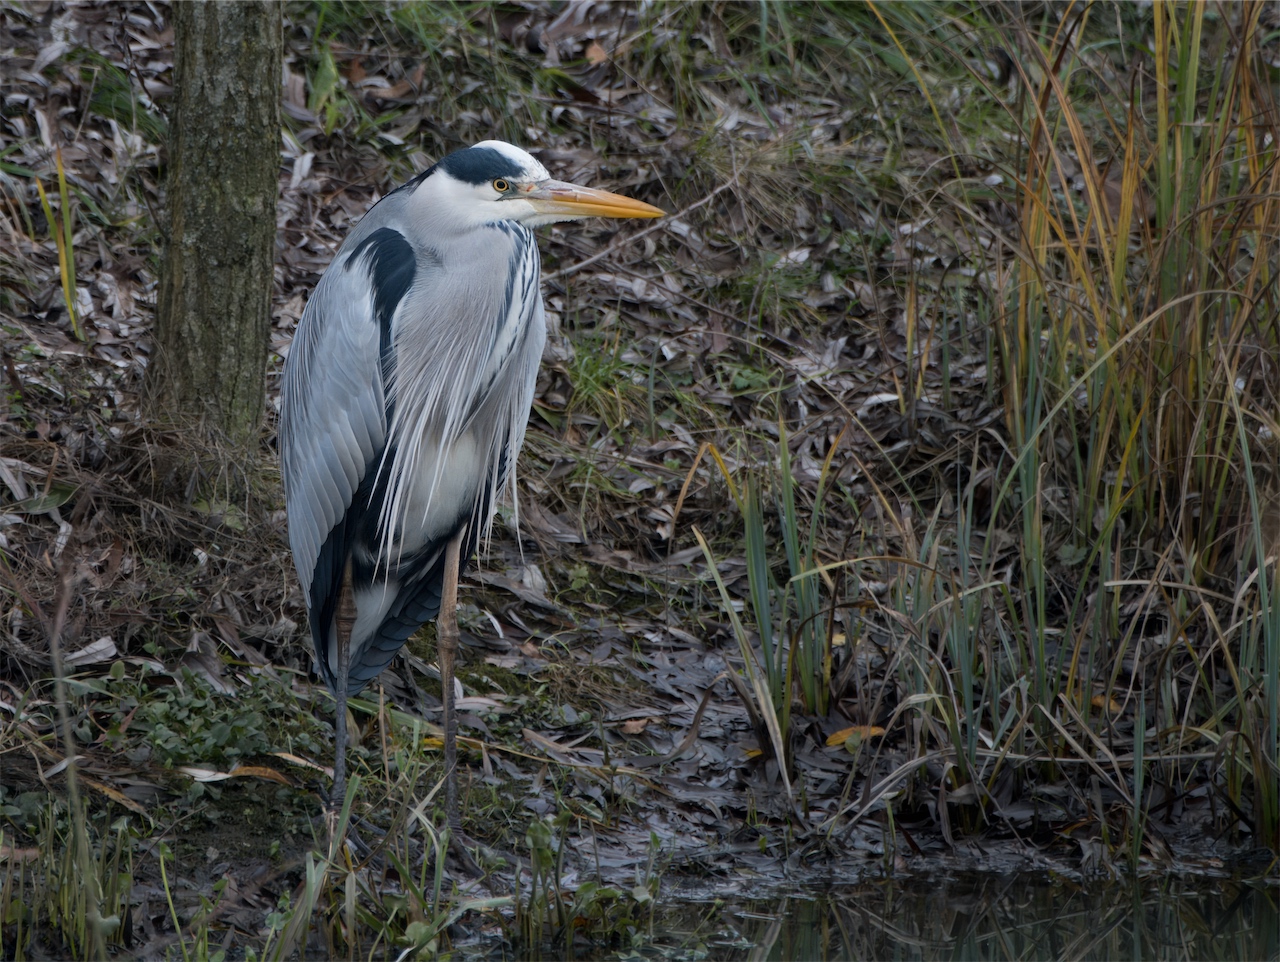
447, 649
344, 622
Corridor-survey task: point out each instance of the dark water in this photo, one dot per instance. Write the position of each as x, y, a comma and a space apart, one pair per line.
954, 917
977, 917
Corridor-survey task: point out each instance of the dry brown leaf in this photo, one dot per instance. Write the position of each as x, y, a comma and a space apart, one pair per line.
116, 796
240, 771
840, 738
261, 771
10, 854
1109, 705
304, 763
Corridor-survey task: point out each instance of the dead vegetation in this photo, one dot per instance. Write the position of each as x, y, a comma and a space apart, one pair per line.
1010, 316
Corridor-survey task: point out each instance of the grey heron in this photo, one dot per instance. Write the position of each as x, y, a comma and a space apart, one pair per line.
406, 394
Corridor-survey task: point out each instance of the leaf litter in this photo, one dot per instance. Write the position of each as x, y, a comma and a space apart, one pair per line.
601, 674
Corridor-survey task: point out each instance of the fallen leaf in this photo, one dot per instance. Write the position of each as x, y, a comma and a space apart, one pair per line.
1109, 705
116, 796
59, 494
854, 734
481, 703
94, 653
203, 774
261, 771
240, 771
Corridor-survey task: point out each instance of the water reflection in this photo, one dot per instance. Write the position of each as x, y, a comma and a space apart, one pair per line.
986, 917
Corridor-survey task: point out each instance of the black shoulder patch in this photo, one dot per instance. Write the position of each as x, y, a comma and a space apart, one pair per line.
392, 266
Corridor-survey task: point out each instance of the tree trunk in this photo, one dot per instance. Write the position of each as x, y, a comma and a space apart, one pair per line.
213, 313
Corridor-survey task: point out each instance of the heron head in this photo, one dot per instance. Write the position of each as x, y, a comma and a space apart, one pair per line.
495, 181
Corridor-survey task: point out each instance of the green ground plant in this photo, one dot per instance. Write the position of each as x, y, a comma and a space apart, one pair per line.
62, 228
53, 893
794, 630
1135, 336
1135, 357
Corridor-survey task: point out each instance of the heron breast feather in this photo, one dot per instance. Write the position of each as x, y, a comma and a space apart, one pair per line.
442, 489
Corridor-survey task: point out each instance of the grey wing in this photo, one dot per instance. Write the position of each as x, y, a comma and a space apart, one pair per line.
333, 423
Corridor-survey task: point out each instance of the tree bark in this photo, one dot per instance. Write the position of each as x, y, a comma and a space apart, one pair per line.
213, 312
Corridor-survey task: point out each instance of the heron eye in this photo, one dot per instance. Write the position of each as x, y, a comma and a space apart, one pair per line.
501, 186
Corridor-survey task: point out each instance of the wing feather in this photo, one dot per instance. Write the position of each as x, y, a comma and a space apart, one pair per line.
332, 381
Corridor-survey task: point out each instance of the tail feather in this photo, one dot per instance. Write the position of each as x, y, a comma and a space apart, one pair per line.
410, 612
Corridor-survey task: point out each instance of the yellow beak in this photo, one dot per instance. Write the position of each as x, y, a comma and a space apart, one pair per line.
570, 200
